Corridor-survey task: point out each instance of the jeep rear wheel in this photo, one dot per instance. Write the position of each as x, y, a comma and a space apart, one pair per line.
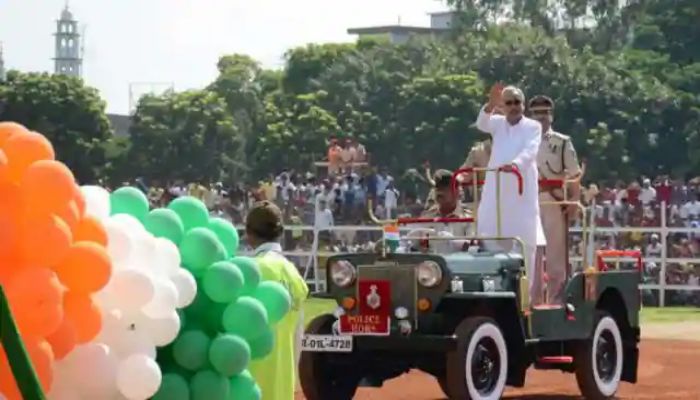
598, 360
477, 368
319, 379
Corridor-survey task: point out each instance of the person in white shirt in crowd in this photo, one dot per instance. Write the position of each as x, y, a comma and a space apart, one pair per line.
383, 179
516, 142
391, 199
647, 194
653, 249
323, 223
691, 211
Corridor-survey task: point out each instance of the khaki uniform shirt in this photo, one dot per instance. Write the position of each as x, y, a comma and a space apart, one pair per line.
478, 157
557, 160
456, 229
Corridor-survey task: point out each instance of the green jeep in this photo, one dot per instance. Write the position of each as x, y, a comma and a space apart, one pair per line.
466, 319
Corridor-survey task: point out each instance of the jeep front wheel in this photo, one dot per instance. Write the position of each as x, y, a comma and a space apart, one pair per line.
319, 378
599, 360
477, 368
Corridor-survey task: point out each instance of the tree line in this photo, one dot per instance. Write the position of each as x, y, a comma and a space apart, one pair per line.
625, 77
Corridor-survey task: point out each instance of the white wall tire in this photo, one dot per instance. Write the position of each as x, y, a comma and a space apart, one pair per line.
599, 360
478, 368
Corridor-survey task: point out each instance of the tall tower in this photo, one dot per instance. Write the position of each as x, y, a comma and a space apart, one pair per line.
69, 58
2, 65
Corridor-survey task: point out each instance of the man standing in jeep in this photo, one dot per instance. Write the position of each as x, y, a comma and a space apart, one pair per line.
556, 160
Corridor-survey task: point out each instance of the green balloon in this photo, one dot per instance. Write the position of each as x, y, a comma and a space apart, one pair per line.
244, 387
227, 234
172, 387
275, 298
192, 211
190, 349
165, 223
222, 282
261, 346
129, 200
251, 273
246, 317
213, 318
229, 355
195, 312
199, 249
208, 385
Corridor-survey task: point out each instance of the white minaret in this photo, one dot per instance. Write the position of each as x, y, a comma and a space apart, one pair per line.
68, 59
2, 65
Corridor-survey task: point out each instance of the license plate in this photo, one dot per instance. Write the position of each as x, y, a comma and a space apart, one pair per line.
327, 343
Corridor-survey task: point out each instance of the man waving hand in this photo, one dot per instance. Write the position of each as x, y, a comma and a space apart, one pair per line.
516, 141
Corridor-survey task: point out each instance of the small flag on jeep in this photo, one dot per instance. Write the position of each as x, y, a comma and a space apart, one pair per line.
392, 237
391, 232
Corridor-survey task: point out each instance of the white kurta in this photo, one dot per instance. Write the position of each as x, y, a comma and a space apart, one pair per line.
520, 214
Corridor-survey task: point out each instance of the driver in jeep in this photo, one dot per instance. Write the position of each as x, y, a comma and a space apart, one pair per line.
447, 205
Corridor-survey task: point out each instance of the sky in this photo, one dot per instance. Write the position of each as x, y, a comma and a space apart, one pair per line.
156, 44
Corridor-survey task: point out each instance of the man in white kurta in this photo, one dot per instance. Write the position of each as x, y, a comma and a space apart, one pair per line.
516, 141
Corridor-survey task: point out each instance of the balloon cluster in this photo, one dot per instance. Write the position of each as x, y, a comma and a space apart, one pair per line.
139, 304
231, 320
53, 256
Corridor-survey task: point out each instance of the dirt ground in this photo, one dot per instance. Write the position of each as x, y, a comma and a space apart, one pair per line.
667, 370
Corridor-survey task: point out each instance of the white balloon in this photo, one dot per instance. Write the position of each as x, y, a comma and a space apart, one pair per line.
92, 368
129, 222
113, 326
164, 301
138, 377
96, 201
120, 246
163, 331
186, 287
62, 391
134, 341
168, 256
131, 289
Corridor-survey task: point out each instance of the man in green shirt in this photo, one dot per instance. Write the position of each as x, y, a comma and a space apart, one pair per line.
276, 373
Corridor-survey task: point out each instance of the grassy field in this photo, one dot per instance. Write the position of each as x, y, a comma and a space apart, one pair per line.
315, 307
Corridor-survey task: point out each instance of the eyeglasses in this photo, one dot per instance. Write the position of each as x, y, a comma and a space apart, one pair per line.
541, 112
515, 102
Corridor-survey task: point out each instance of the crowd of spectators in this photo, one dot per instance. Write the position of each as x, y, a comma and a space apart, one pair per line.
339, 191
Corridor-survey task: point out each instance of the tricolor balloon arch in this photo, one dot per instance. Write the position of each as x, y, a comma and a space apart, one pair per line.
114, 300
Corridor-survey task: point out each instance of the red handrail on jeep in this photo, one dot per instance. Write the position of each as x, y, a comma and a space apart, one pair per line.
469, 170
444, 220
601, 254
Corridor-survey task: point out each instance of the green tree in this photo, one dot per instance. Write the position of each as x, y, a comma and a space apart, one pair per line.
189, 135
70, 114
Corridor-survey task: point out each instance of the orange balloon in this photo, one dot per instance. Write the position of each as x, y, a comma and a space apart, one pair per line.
34, 295
63, 340
8, 386
90, 229
70, 215
45, 240
42, 357
84, 314
47, 186
10, 212
86, 268
8, 129
23, 150
4, 167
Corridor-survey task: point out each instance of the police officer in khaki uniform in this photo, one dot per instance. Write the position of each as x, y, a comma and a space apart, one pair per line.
447, 205
556, 160
478, 157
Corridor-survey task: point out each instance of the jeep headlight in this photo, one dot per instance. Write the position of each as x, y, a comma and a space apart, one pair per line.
342, 273
429, 274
